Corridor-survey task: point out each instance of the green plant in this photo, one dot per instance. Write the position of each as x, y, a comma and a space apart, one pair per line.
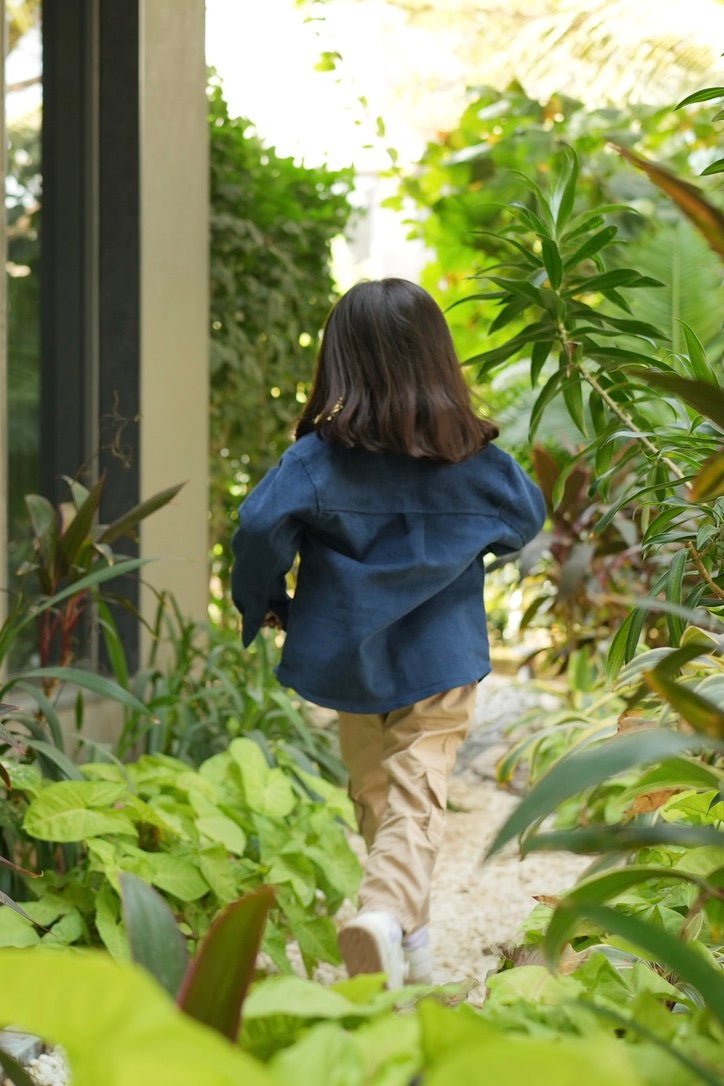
272, 224
583, 577
69, 545
200, 691
115, 1024
468, 178
608, 372
202, 837
212, 986
63, 586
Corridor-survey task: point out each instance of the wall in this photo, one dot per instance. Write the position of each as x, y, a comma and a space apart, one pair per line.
174, 299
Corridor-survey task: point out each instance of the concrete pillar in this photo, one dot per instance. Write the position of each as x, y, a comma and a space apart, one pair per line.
174, 299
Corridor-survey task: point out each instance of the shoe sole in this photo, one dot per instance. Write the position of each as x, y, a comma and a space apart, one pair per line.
360, 951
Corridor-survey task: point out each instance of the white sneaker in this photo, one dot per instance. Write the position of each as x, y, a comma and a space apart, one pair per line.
418, 963
372, 943
418, 957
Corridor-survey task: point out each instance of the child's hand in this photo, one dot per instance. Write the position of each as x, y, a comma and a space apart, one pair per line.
272, 621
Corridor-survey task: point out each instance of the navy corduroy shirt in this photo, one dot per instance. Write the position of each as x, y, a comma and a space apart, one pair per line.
388, 607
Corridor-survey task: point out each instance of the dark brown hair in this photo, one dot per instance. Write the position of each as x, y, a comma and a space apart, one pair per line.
388, 378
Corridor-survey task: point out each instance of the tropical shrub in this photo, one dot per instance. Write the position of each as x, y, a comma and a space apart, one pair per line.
468, 179
202, 837
200, 690
272, 224
634, 776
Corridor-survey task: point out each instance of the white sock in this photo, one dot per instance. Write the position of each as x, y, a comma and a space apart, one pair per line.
417, 939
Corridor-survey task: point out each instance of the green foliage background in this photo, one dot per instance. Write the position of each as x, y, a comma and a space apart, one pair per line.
467, 180
272, 225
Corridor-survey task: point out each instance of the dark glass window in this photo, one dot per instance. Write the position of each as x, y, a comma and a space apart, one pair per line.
23, 114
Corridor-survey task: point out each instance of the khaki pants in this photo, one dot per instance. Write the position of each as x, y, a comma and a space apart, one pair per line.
398, 765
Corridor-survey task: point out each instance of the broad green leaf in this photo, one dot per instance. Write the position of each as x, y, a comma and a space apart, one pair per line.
68, 811
219, 827
109, 924
91, 580
669, 662
113, 644
697, 355
325, 1054
299, 998
155, 940
541, 1060
44, 521
508, 313
51, 754
267, 791
635, 327
532, 333
17, 928
220, 871
623, 644
617, 277
678, 773
575, 772
48, 710
220, 974
689, 965
595, 891
176, 875
691, 273
704, 715
530, 219
538, 356
295, 870
25, 777
115, 1024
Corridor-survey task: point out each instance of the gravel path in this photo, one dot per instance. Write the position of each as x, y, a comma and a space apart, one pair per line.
475, 907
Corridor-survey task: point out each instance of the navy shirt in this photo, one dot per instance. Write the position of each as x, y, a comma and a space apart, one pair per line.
388, 607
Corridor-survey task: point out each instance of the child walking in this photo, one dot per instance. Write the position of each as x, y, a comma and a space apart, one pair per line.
391, 495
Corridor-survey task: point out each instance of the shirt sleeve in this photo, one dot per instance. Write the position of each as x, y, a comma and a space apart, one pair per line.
271, 522
522, 510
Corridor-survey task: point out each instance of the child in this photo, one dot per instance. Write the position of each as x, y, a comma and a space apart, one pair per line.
391, 496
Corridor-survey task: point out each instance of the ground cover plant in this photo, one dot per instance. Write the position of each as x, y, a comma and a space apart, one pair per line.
202, 837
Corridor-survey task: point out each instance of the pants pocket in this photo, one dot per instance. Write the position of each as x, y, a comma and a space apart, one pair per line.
437, 791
